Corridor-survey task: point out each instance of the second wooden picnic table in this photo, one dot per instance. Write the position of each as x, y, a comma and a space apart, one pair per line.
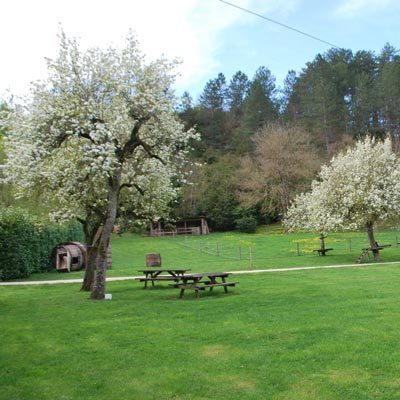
202, 281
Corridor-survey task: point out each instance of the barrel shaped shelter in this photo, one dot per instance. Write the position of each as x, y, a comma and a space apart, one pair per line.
73, 256
69, 256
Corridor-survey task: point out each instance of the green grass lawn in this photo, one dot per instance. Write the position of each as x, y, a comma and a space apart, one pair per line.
231, 251
320, 334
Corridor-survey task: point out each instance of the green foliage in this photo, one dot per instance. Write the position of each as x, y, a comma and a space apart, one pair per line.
26, 243
219, 207
214, 194
214, 94
16, 234
246, 224
258, 110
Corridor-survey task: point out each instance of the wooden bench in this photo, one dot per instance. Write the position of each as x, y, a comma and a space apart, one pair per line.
159, 278
321, 252
379, 247
202, 286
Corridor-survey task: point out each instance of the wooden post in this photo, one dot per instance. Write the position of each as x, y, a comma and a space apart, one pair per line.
250, 257
322, 241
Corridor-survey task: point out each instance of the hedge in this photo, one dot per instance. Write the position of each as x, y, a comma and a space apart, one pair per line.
26, 243
246, 224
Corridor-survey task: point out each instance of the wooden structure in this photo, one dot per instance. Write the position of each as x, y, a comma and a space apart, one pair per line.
69, 256
186, 226
153, 260
161, 275
73, 256
322, 250
365, 253
203, 281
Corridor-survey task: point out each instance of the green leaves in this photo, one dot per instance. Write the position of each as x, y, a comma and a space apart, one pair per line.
26, 243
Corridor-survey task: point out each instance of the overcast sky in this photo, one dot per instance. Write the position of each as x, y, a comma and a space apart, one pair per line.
207, 35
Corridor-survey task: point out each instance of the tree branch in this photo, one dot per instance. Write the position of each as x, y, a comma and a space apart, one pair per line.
137, 187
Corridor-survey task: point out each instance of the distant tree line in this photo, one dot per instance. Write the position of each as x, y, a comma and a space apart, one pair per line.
262, 145
336, 98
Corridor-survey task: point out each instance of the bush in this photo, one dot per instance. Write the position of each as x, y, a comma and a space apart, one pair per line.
247, 224
26, 243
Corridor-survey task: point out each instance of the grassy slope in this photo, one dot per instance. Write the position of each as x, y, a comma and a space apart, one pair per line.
327, 334
231, 251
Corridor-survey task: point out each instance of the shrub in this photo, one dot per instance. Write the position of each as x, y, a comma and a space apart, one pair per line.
16, 233
246, 224
26, 243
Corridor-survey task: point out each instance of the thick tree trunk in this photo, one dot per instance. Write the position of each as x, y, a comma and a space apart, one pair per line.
99, 284
92, 234
372, 242
88, 279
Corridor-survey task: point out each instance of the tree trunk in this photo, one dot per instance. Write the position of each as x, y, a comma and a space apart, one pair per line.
372, 242
92, 235
99, 284
88, 279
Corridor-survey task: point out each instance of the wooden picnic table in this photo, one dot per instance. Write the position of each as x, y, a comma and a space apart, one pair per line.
161, 274
322, 252
378, 247
202, 281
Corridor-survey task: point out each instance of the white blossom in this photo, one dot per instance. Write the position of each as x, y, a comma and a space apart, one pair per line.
68, 135
358, 187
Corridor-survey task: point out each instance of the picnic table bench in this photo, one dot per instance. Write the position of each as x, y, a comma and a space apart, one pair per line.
322, 252
152, 275
378, 247
202, 281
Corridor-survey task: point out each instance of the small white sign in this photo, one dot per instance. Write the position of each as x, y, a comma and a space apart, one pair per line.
108, 296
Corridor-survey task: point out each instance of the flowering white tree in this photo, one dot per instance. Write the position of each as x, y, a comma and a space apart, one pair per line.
357, 189
99, 135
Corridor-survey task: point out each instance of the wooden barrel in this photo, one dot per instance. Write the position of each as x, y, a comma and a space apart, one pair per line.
153, 260
69, 256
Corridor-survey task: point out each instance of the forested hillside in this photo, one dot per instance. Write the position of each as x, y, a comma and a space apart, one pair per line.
261, 144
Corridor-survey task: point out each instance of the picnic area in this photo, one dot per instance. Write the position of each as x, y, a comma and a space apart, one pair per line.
293, 334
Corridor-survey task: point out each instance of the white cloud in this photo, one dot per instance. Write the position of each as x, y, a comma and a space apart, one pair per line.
353, 8
187, 29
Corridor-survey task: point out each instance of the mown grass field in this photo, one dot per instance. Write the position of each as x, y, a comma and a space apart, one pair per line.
316, 334
320, 334
270, 248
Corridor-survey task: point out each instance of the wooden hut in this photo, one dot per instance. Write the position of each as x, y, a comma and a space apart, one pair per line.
69, 256
185, 226
73, 256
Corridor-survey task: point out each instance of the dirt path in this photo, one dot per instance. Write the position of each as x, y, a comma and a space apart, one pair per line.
252, 271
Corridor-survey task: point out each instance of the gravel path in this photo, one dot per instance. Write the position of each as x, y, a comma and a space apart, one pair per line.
252, 271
